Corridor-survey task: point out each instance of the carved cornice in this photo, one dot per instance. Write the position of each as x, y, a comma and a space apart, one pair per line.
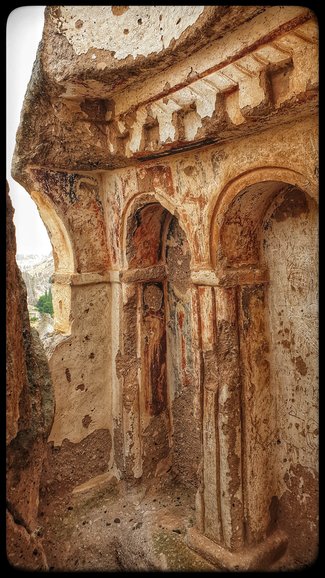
267, 80
221, 102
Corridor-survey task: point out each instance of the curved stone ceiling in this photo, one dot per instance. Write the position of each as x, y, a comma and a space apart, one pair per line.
128, 31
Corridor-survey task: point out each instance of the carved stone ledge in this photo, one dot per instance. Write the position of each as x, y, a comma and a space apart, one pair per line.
83, 278
223, 99
204, 277
230, 277
259, 557
147, 274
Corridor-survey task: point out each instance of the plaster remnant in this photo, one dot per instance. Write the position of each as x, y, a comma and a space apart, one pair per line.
86, 421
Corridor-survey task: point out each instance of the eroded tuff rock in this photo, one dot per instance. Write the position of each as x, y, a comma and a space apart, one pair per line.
178, 179
30, 410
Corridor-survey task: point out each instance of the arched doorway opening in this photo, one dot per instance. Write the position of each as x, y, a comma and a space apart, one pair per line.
264, 253
63, 261
158, 346
271, 228
45, 258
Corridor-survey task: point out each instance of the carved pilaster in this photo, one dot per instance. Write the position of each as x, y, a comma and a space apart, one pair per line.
238, 422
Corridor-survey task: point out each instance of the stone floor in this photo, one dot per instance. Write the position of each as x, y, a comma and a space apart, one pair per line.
120, 527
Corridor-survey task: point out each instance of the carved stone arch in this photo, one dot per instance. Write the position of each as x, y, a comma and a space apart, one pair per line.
157, 340
138, 202
263, 244
238, 185
64, 259
78, 204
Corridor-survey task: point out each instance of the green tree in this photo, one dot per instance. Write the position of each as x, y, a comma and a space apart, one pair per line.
45, 303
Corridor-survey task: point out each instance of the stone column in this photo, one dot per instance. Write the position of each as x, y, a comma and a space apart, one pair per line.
229, 417
128, 368
259, 414
132, 365
61, 294
80, 357
117, 458
237, 479
222, 516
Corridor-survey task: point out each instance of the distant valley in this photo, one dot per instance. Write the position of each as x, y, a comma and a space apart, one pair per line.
37, 271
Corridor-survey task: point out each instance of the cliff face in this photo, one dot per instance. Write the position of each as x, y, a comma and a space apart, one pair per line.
30, 410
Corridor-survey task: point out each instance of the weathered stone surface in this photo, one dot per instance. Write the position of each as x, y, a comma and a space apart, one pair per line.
227, 97
30, 410
24, 550
178, 179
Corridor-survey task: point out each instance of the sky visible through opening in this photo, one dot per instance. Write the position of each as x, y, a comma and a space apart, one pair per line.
24, 32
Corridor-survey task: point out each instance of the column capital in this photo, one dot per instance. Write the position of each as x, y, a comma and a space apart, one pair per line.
144, 275
230, 277
89, 278
204, 277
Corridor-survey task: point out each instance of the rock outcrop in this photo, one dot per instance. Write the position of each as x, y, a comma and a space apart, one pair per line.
30, 410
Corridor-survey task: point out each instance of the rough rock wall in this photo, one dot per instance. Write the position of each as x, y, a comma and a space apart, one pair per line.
30, 410
290, 246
